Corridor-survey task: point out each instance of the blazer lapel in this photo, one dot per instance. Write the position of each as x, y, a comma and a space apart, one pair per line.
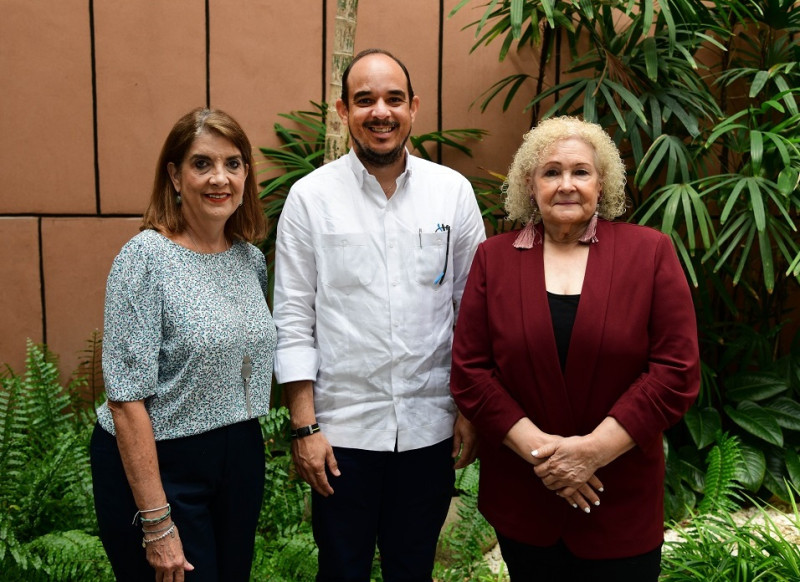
587, 333
547, 381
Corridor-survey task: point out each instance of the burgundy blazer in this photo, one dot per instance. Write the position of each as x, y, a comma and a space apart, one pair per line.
633, 355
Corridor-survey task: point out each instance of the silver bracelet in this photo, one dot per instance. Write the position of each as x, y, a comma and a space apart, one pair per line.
155, 531
143, 520
170, 532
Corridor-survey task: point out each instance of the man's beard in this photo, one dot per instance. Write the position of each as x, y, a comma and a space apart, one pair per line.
370, 157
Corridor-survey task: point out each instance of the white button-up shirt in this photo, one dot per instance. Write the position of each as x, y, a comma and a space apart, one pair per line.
358, 306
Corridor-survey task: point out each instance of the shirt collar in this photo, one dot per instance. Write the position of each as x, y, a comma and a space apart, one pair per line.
361, 172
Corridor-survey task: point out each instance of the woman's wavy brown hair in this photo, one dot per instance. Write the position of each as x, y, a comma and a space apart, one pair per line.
163, 212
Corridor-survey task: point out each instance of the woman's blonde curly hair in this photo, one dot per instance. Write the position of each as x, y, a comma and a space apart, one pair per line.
536, 144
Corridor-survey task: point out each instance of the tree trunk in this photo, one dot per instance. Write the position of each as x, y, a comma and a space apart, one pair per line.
343, 41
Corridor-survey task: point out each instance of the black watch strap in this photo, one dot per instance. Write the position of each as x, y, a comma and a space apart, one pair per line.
304, 431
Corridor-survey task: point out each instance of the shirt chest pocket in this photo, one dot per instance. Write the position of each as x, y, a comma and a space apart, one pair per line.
429, 257
347, 261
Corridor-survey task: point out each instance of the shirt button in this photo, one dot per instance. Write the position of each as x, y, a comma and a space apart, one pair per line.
394, 283
391, 245
396, 324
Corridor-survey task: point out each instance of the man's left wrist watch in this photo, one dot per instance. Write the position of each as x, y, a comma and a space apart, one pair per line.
304, 431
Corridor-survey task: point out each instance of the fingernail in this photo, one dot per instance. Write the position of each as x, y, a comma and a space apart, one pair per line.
597, 502
535, 452
587, 510
601, 490
575, 505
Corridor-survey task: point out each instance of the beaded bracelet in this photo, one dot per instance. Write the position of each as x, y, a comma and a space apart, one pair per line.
170, 532
153, 520
156, 520
155, 531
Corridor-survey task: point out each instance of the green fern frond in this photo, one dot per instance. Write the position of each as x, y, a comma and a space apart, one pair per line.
12, 552
59, 488
292, 559
468, 477
14, 452
46, 483
46, 401
275, 429
465, 541
69, 556
86, 388
720, 492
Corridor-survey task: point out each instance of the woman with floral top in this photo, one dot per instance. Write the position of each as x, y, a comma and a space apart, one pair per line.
187, 360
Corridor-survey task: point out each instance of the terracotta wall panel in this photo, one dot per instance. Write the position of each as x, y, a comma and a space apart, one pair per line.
47, 155
20, 290
466, 77
150, 70
76, 257
265, 60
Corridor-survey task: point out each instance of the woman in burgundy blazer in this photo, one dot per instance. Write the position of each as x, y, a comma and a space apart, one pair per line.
575, 348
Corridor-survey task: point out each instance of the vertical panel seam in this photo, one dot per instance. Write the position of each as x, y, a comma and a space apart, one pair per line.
41, 280
324, 48
95, 145
208, 54
439, 82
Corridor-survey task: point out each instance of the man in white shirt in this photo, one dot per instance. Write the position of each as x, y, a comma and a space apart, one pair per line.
372, 256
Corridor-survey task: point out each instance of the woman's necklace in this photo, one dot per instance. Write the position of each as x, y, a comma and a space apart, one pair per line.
197, 246
247, 365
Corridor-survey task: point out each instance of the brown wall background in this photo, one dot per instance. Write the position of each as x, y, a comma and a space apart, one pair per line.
90, 90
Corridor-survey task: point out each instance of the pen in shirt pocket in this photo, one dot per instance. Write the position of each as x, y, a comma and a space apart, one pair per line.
443, 228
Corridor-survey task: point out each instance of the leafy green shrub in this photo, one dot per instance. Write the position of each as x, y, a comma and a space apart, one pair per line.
713, 547
285, 547
47, 523
716, 544
465, 541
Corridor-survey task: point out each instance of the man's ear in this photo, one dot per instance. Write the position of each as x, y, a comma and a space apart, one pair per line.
413, 107
341, 109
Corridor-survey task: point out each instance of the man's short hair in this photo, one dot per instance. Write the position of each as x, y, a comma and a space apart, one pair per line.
366, 53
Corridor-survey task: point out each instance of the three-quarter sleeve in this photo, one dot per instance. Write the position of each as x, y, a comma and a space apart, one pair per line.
474, 381
132, 328
666, 390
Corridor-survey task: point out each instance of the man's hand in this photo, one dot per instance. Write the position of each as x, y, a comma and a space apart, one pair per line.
465, 442
311, 454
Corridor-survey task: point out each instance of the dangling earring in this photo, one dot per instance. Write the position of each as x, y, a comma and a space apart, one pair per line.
529, 235
590, 236
178, 198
